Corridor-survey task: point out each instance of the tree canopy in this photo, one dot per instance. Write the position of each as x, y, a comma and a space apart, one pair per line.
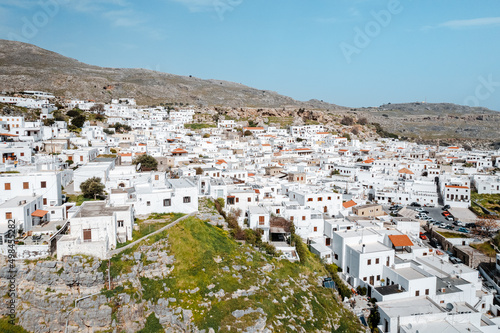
147, 162
92, 188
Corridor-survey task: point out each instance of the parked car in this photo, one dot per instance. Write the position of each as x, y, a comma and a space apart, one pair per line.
446, 213
450, 218
422, 236
449, 227
465, 231
455, 260
415, 204
419, 209
458, 223
446, 207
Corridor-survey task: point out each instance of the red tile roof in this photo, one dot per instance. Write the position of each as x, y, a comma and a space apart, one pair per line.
39, 213
349, 204
400, 240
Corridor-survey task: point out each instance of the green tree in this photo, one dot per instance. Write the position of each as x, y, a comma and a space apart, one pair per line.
206, 136
48, 122
73, 113
78, 121
92, 188
199, 171
147, 162
247, 133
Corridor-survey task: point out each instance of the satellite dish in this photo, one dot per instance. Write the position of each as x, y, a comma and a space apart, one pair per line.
138, 166
449, 307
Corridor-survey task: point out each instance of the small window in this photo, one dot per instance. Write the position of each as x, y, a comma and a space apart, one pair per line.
249, 199
87, 235
157, 177
369, 261
237, 200
8, 215
45, 201
291, 218
187, 199
320, 199
277, 211
26, 185
167, 202
120, 223
261, 220
417, 293
7, 186
427, 291
327, 242
364, 279
329, 198
303, 218
310, 199
378, 277
315, 229
148, 203
43, 184
377, 260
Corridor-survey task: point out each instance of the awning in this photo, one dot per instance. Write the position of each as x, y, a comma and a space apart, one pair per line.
39, 213
400, 240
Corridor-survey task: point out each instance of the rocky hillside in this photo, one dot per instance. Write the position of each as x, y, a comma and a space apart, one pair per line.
190, 278
28, 67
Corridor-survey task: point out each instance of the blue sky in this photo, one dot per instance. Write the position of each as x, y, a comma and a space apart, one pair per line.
349, 52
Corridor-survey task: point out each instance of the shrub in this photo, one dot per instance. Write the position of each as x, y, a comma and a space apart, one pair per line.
348, 121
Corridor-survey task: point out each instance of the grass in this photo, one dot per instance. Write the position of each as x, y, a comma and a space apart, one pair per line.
448, 234
145, 227
283, 121
488, 201
485, 248
199, 126
198, 269
7, 327
79, 199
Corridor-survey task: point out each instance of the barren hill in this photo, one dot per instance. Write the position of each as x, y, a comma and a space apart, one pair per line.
28, 67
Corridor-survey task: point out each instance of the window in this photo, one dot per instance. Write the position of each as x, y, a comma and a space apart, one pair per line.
378, 277
310, 199
315, 229
167, 202
44, 201
369, 261
120, 223
427, 291
329, 198
327, 242
22, 154
7, 186
336, 256
237, 200
249, 199
377, 260
157, 177
81, 158
186, 199
364, 279
87, 235
43, 184
277, 211
8, 215
261, 220
26, 185
320, 199
417, 293
291, 218
148, 203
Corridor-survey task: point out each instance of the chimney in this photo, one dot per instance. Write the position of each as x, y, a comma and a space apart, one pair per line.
363, 249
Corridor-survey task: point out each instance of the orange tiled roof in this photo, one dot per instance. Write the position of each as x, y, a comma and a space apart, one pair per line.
39, 213
400, 240
455, 186
349, 204
407, 171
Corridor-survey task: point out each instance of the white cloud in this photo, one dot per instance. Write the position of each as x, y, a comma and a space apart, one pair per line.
478, 22
463, 24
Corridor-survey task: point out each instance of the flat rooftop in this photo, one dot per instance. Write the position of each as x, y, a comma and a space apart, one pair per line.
406, 308
98, 208
370, 247
14, 202
410, 273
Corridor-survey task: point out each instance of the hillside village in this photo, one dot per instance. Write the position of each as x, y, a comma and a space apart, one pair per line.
410, 227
